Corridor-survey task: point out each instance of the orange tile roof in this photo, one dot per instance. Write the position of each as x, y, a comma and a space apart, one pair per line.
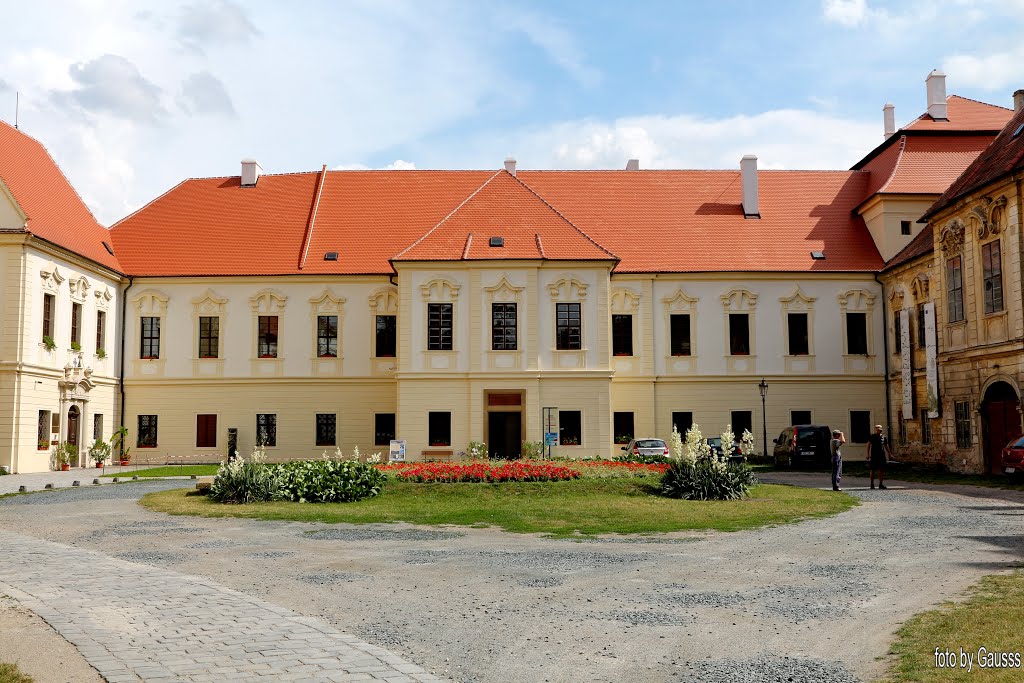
923, 165
963, 114
55, 211
671, 221
504, 207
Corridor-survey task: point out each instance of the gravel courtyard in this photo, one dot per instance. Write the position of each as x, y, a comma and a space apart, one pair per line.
815, 601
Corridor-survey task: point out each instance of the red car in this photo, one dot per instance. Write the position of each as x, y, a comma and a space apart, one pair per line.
1013, 457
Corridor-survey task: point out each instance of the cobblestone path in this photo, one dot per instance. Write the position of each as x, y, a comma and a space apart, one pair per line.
136, 622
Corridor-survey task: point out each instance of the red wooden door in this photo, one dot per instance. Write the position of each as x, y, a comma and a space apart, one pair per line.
1003, 423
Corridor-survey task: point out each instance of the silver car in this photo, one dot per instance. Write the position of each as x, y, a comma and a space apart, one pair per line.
646, 446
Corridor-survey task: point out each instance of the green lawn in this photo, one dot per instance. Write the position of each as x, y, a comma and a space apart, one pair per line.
561, 509
10, 673
170, 471
990, 617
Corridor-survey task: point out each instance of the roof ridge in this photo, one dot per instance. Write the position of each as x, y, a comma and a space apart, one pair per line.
896, 164
971, 99
563, 217
151, 202
450, 214
317, 192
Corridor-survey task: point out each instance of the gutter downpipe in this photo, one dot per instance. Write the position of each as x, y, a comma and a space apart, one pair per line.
885, 349
120, 374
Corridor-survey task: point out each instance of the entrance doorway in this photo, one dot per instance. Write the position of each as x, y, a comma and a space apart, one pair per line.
1001, 422
504, 424
74, 418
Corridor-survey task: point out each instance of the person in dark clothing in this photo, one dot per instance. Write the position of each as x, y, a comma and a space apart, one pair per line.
878, 456
838, 439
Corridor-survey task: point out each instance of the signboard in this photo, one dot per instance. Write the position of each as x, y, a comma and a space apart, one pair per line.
907, 375
931, 373
550, 427
396, 453
550, 438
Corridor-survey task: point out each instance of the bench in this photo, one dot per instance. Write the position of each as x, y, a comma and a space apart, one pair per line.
437, 455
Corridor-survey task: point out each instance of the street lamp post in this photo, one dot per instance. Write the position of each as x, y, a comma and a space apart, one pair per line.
763, 388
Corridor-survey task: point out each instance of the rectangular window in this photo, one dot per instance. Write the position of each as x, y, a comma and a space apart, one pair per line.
622, 335
150, 345
387, 336
926, 428
992, 275
921, 326
860, 426
206, 431
267, 341
326, 429
962, 413
439, 428
739, 334
623, 427
327, 336
800, 417
383, 429
97, 428
266, 429
43, 431
897, 327
679, 331
904, 227
955, 289
439, 327
146, 437
742, 420
209, 337
857, 334
569, 330
682, 421
570, 427
504, 330
799, 341
76, 324
48, 303
101, 331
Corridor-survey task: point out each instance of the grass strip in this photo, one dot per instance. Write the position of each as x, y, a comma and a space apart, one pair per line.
560, 509
990, 617
169, 471
10, 673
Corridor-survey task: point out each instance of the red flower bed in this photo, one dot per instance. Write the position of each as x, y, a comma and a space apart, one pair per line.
515, 470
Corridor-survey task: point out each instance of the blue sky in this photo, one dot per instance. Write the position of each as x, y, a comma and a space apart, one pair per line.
132, 97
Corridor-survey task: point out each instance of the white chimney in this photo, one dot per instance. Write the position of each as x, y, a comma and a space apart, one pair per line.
889, 120
250, 172
936, 87
633, 165
510, 165
1018, 100
748, 175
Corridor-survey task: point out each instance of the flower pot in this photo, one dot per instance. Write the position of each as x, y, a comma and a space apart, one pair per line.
125, 463
99, 464
65, 468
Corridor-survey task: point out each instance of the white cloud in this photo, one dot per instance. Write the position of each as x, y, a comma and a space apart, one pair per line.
560, 45
994, 71
846, 12
396, 165
205, 24
111, 84
204, 93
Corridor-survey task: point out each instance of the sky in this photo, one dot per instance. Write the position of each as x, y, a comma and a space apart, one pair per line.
132, 97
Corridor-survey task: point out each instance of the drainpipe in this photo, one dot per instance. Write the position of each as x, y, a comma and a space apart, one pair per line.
1020, 263
120, 374
885, 349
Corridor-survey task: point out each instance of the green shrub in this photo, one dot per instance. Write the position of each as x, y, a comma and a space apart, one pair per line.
644, 459
533, 450
239, 481
328, 481
707, 480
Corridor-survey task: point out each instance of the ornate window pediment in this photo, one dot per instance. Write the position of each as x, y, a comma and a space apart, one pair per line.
625, 301
150, 302
680, 302
739, 300
951, 237
327, 303
504, 291
440, 289
384, 301
856, 300
919, 288
209, 304
103, 297
268, 302
798, 301
52, 277
896, 299
567, 288
79, 288
987, 216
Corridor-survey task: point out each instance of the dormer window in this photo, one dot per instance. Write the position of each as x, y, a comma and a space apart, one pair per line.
331, 256
497, 242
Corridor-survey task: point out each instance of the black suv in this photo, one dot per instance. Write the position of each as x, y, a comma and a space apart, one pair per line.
808, 444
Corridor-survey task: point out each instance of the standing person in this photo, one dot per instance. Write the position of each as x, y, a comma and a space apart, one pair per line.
878, 456
838, 439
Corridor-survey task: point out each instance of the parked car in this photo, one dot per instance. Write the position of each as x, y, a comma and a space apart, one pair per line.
805, 444
1013, 457
715, 444
647, 446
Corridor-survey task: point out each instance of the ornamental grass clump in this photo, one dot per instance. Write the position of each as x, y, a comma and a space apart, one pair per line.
242, 481
328, 481
699, 475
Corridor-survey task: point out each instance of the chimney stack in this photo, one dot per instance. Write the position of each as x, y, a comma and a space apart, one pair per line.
633, 165
250, 172
936, 87
748, 176
1018, 100
889, 120
510, 165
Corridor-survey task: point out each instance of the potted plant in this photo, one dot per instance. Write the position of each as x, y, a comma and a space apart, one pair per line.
101, 353
117, 440
76, 346
49, 343
43, 444
99, 452
63, 454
